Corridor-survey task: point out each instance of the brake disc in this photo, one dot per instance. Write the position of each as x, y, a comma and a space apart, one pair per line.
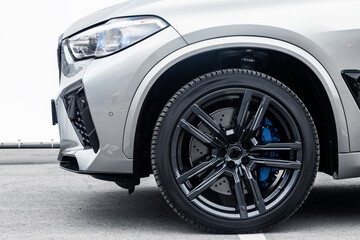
198, 150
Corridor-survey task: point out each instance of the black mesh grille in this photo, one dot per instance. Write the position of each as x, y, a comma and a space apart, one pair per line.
79, 114
81, 129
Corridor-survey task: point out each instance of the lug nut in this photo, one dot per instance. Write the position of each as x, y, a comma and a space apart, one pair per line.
222, 152
231, 164
245, 160
245, 145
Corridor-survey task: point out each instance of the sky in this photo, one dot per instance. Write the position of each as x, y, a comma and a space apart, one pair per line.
29, 31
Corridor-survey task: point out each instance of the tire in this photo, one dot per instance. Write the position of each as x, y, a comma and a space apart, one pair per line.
235, 151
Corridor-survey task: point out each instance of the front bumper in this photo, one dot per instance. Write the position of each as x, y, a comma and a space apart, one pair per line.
107, 85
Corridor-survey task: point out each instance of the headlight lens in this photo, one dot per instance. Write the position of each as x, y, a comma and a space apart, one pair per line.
113, 36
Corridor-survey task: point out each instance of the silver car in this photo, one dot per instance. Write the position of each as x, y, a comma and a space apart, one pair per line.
233, 105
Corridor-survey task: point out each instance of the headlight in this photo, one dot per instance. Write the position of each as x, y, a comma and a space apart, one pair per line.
113, 36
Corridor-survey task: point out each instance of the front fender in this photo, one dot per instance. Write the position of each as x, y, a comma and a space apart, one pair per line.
329, 85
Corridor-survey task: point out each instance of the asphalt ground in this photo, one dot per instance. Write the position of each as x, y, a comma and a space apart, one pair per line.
38, 200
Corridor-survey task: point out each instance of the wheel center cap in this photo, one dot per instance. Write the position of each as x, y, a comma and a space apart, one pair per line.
235, 152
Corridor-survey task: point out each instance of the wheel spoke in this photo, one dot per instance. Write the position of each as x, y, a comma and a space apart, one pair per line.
277, 146
254, 187
260, 113
276, 163
197, 170
208, 121
203, 137
240, 195
205, 184
243, 109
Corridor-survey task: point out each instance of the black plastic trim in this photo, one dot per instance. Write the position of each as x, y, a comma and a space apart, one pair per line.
53, 112
352, 80
59, 55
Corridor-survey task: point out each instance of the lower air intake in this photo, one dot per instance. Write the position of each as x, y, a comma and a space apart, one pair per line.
79, 114
69, 162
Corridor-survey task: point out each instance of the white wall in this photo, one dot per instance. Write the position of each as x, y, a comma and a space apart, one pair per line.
28, 69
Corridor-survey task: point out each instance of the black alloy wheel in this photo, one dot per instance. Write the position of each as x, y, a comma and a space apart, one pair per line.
235, 151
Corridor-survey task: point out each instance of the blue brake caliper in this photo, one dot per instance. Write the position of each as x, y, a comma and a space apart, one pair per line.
267, 174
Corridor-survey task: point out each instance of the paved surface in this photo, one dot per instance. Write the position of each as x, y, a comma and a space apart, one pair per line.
28, 156
41, 201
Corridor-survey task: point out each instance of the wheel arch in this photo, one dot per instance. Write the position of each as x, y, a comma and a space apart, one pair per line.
166, 77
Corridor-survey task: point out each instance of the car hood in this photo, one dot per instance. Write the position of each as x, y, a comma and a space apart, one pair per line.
206, 19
